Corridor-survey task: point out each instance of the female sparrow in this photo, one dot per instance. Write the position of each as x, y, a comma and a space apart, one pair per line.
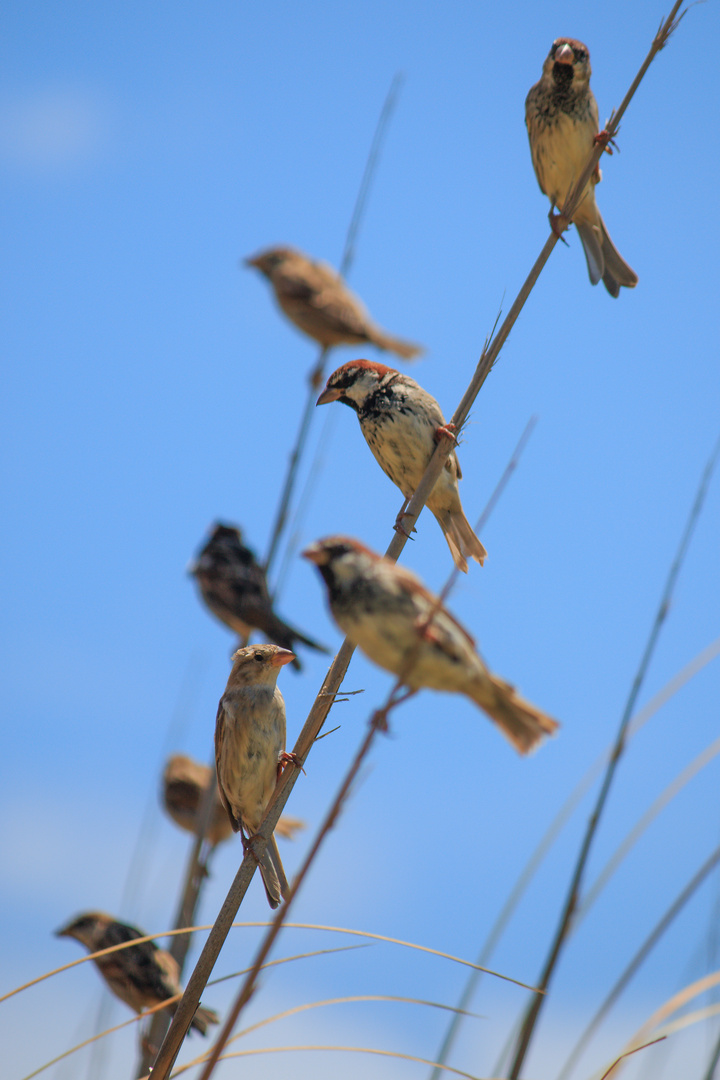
184, 784
387, 612
319, 302
400, 422
561, 115
249, 744
140, 975
233, 586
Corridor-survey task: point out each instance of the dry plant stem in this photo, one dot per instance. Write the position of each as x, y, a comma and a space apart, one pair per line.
320, 709
195, 875
216, 939
295, 458
627, 1054
571, 901
248, 986
637, 960
316, 375
704, 657
186, 1010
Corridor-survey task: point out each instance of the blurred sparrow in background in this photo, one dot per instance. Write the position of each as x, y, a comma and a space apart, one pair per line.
184, 784
385, 610
234, 588
401, 423
318, 301
140, 975
561, 114
249, 745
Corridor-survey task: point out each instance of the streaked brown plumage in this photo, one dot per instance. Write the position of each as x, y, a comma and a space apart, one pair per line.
140, 975
384, 609
184, 783
318, 301
400, 422
232, 584
249, 739
562, 120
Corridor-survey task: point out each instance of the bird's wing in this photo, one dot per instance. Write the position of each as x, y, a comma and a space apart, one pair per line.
219, 746
320, 288
425, 602
135, 971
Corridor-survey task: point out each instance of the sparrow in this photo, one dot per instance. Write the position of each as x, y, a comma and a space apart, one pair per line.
184, 783
318, 301
401, 423
562, 120
233, 586
385, 610
141, 975
249, 747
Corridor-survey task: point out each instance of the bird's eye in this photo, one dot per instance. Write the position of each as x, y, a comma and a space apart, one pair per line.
259, 657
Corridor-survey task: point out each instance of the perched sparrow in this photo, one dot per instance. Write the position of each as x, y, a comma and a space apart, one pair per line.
561, 114
184, 783
141, 975
233, 586
384, 609
319, 302
249, 744
400, 422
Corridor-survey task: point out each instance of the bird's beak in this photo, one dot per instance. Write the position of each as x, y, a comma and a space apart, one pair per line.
251, 261
282, 657
564, 55
329, 394
61, 932
314, 553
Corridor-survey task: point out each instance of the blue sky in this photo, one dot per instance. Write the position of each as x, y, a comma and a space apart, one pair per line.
151, 387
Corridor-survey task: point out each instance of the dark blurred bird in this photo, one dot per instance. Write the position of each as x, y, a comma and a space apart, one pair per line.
233, 586
184, 784
140, 975
249, 746
318, 301
401, 423
385, 610
561, 115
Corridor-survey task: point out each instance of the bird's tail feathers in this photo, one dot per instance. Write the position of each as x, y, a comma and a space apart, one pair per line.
460, 537
520, 721
591, 237
406, 349
285, 636
273, 874
203, 1018
615, 266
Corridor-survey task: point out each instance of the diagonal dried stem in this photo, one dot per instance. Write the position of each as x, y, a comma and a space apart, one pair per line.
335, 675
571, 901
643, 952
195, 875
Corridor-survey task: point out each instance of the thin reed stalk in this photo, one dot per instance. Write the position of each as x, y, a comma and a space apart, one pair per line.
640, 956
195, 875
316, 375
573, 894
333, 679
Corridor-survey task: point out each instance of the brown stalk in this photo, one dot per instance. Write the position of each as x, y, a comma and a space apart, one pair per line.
573, 895
643, 952
195, 875
321, 707
316, 375
378, 723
